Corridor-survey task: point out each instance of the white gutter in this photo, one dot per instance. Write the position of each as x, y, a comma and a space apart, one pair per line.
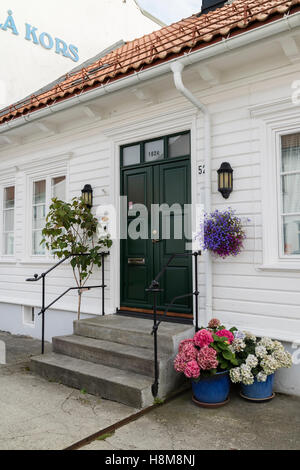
177, 69
285, 24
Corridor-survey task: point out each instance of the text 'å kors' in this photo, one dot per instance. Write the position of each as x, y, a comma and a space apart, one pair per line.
44, 39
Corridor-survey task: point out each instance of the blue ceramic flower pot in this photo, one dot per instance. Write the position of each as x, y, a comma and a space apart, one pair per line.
212, 390
259, 390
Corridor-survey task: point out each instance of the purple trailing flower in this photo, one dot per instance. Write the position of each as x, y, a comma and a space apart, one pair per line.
239, 335
223, 233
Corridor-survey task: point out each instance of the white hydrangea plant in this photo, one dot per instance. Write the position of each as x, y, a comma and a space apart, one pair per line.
258, 358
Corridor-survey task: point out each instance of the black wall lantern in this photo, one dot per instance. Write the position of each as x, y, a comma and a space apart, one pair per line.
225, 180
87, 195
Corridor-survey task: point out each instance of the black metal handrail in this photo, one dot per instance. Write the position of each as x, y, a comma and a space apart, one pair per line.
43, 276
154, 288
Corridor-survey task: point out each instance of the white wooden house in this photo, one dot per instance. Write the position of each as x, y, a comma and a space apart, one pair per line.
230, 80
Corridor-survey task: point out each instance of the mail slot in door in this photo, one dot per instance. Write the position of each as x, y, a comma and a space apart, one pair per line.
136, 261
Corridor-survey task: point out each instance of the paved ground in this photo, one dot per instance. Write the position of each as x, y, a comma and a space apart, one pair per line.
37, 414
180, 425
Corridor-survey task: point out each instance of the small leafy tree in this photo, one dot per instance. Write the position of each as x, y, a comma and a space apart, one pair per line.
71, 230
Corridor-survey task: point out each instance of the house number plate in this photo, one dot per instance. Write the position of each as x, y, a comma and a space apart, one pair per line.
136, 261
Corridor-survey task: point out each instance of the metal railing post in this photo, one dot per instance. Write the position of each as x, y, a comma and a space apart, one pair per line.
155, 328
154, 289
43, 313
103, 286
42, 277
196, 292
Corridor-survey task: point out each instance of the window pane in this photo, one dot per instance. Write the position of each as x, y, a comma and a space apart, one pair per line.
8, 243
291, 234
179, 146
291, 193
39, 192
131, 155
38, 249
39, 216
59, 188
9, 197
9, 220
290, 152
154, 151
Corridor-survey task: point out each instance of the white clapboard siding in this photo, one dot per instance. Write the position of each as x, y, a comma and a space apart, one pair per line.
89, 163
266, 302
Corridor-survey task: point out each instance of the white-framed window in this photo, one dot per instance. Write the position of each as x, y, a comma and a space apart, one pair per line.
8, 221
43, 191
289, 206
278, 124
28, 316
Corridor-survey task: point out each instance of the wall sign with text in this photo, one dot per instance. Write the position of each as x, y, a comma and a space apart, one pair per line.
43, 39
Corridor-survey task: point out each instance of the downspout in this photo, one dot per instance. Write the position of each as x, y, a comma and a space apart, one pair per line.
177, 69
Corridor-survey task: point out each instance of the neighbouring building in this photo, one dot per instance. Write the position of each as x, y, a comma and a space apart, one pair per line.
153, 120
38, 43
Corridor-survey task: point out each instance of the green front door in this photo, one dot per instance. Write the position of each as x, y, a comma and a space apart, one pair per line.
165, 181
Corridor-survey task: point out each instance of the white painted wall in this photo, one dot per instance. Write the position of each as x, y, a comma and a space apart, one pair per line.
13, 322
90, 25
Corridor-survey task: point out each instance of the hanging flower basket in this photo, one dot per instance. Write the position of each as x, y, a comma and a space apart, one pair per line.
222, 233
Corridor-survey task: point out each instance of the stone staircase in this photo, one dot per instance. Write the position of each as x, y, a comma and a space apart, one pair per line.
112, 357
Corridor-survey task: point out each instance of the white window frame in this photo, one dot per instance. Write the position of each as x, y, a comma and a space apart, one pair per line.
282, 255
27, 313
48, 180
52, 167
275, 120
7, 183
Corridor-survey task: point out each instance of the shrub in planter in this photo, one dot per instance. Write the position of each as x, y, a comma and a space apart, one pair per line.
206, 359
258, 359
71, 229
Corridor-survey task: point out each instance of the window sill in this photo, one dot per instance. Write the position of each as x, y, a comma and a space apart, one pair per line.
39, 261
29, 325
7, 260
292, 267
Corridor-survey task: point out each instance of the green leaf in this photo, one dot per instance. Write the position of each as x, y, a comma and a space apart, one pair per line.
234, 362
224, 365
228, 355
223, 346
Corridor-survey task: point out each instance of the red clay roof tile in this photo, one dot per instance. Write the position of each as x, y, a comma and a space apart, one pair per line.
176, 39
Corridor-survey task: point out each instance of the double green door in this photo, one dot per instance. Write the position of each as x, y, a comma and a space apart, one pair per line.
163, 234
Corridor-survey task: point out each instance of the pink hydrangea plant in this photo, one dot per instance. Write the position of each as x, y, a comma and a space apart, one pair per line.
201, 356
226, 334
192, 370
179, 363
214, 323
188, 352
207, 358
203, 338
183, 343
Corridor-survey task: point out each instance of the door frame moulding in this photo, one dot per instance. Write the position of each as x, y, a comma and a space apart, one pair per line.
157, 126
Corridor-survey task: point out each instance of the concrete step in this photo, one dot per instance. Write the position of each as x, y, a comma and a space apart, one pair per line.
121, 356
133, 331
97, 379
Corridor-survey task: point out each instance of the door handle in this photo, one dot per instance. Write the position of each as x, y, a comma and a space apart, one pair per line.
156, 241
